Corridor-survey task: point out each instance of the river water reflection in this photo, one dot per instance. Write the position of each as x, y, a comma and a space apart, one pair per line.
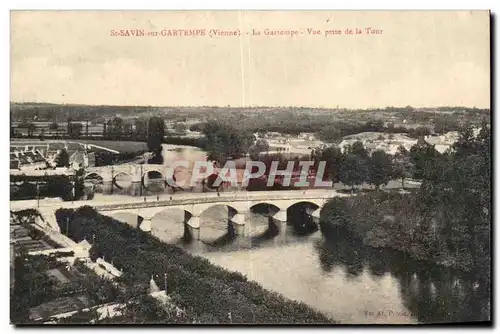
356, 284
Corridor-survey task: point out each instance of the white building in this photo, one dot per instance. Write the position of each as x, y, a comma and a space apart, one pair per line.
373, 141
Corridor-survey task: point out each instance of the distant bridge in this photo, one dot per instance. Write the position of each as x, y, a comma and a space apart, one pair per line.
137, 172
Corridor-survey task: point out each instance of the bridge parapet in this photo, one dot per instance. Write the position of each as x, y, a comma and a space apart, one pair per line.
194, 205
318, 196
137, 172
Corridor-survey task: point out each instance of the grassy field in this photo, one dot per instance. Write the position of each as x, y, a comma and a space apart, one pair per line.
73, 145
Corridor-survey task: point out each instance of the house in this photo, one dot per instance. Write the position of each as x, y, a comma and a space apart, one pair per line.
27, 160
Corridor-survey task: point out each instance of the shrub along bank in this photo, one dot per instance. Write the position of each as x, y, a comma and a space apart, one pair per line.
448, 221
395, 221
208, 292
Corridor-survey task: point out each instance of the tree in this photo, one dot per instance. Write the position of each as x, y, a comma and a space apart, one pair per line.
466, 144
423, 156
141, 129
62, 159
156, 132
329, 134
380, 169
422, 131
31, 129
127, 130
445, 124
41, 135
353, 170
180, 127
402, 166
115, 128
358, 149
375, 125
439, 125
53, 126
223, 142
261, 145
332, 156
68, 126
455, 196
74, 129
484, 138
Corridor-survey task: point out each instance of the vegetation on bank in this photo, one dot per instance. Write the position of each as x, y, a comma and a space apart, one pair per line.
207, 292
448, 221
31, 187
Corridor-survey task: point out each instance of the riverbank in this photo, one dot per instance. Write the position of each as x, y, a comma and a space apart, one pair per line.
397, 221
211, 293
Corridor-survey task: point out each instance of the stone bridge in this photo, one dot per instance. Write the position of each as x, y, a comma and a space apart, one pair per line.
238, 205
137, 172
192, 206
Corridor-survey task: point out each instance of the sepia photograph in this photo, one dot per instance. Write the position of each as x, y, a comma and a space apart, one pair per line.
253, 167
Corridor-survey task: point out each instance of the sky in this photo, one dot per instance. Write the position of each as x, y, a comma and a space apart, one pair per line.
420, 59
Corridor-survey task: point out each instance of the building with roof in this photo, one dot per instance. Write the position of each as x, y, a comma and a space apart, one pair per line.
373, 141
27, 160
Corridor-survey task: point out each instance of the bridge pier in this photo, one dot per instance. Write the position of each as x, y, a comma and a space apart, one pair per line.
146, 225
145, 179
107, 187
315, 215
237, 224
192, 229
135, 188
280, 220
281, 216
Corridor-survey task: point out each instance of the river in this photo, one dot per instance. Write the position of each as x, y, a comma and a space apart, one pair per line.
352, 283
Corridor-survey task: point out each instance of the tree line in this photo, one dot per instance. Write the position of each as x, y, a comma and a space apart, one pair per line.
30, 187
355, 166
447, 221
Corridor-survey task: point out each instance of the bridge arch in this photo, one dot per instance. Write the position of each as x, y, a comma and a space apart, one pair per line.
157, 170
122, 180
231, 209
264, 208
130, 218
153, 181
93, 174
309, 205
300, 216
215, 222
121, 172
169, 224
260, 222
